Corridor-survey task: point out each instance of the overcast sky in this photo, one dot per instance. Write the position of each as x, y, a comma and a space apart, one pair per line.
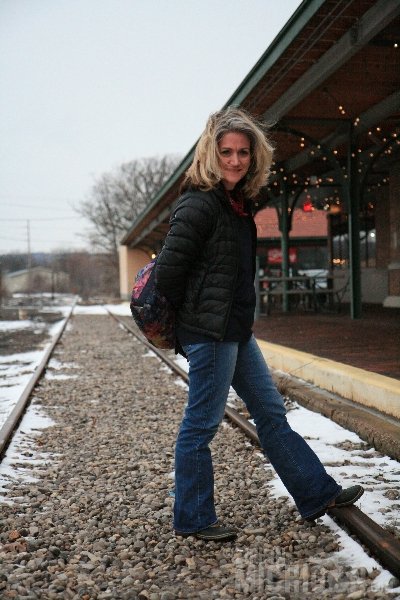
88, 84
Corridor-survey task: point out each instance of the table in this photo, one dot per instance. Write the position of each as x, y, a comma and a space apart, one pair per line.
316, 292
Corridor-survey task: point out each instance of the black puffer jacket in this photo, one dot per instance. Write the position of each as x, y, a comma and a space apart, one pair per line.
198, 265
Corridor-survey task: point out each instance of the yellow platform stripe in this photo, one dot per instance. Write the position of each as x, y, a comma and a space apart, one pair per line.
366, 388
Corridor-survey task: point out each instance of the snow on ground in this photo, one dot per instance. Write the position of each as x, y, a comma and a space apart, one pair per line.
94, 309
15, 372
14, 325
349, 460
120, 309
22, 453
17, 369
46, 297
97, 309
55, 365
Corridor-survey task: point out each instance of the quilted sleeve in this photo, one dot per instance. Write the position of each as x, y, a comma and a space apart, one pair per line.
190, 226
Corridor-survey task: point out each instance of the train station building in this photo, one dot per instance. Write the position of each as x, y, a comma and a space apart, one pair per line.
329, 85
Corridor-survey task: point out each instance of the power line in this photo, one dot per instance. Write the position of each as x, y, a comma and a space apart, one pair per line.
16, 227
22, 197
59, 242
45, 219
35, 206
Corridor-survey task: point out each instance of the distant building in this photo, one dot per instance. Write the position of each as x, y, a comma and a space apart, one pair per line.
308, 247
37, 279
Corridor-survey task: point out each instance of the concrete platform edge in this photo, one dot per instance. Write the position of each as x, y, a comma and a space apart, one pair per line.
364, 387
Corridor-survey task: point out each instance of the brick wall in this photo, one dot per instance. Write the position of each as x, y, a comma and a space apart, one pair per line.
304, 224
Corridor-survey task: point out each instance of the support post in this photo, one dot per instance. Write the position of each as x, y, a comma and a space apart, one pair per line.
353, 204
284, 226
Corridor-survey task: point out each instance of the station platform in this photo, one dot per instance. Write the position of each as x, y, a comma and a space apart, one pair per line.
356, 361
371, 343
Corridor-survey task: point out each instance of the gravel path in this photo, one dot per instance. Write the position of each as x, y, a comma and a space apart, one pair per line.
96, 524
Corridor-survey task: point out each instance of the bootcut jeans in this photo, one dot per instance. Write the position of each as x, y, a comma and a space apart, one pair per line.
213, 368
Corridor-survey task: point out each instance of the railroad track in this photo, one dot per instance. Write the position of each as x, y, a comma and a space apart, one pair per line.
11, 423
383, 545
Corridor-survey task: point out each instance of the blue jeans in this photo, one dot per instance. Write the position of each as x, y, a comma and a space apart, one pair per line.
213, 368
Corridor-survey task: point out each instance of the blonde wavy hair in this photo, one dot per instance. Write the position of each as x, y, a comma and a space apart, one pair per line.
204, 173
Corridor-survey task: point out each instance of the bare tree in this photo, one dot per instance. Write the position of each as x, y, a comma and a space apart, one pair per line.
118, 197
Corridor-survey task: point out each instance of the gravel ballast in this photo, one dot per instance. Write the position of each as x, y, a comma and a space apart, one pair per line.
96, 521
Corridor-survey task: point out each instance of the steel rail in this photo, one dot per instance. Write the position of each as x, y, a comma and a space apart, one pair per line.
13, 419
381, 543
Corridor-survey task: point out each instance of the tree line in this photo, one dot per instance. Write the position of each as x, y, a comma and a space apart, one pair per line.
89, 274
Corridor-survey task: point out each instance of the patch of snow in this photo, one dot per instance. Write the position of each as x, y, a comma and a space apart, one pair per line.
352, 553
95, 309
21, 357
182, 363
150, 354
341, 451
57, 365
181, 383
60, 376
15, 373
22, 452
120, 309
64, 310
17, 369
14, 325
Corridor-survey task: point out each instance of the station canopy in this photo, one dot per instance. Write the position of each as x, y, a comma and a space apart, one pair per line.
329, 86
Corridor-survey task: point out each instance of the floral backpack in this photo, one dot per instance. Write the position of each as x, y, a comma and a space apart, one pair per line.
152, 312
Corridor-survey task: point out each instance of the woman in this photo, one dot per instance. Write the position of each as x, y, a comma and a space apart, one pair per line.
206, 269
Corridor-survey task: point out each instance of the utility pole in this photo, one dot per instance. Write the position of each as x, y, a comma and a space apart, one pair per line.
29, 257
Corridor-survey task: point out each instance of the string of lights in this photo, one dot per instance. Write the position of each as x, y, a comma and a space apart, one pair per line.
384, 144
